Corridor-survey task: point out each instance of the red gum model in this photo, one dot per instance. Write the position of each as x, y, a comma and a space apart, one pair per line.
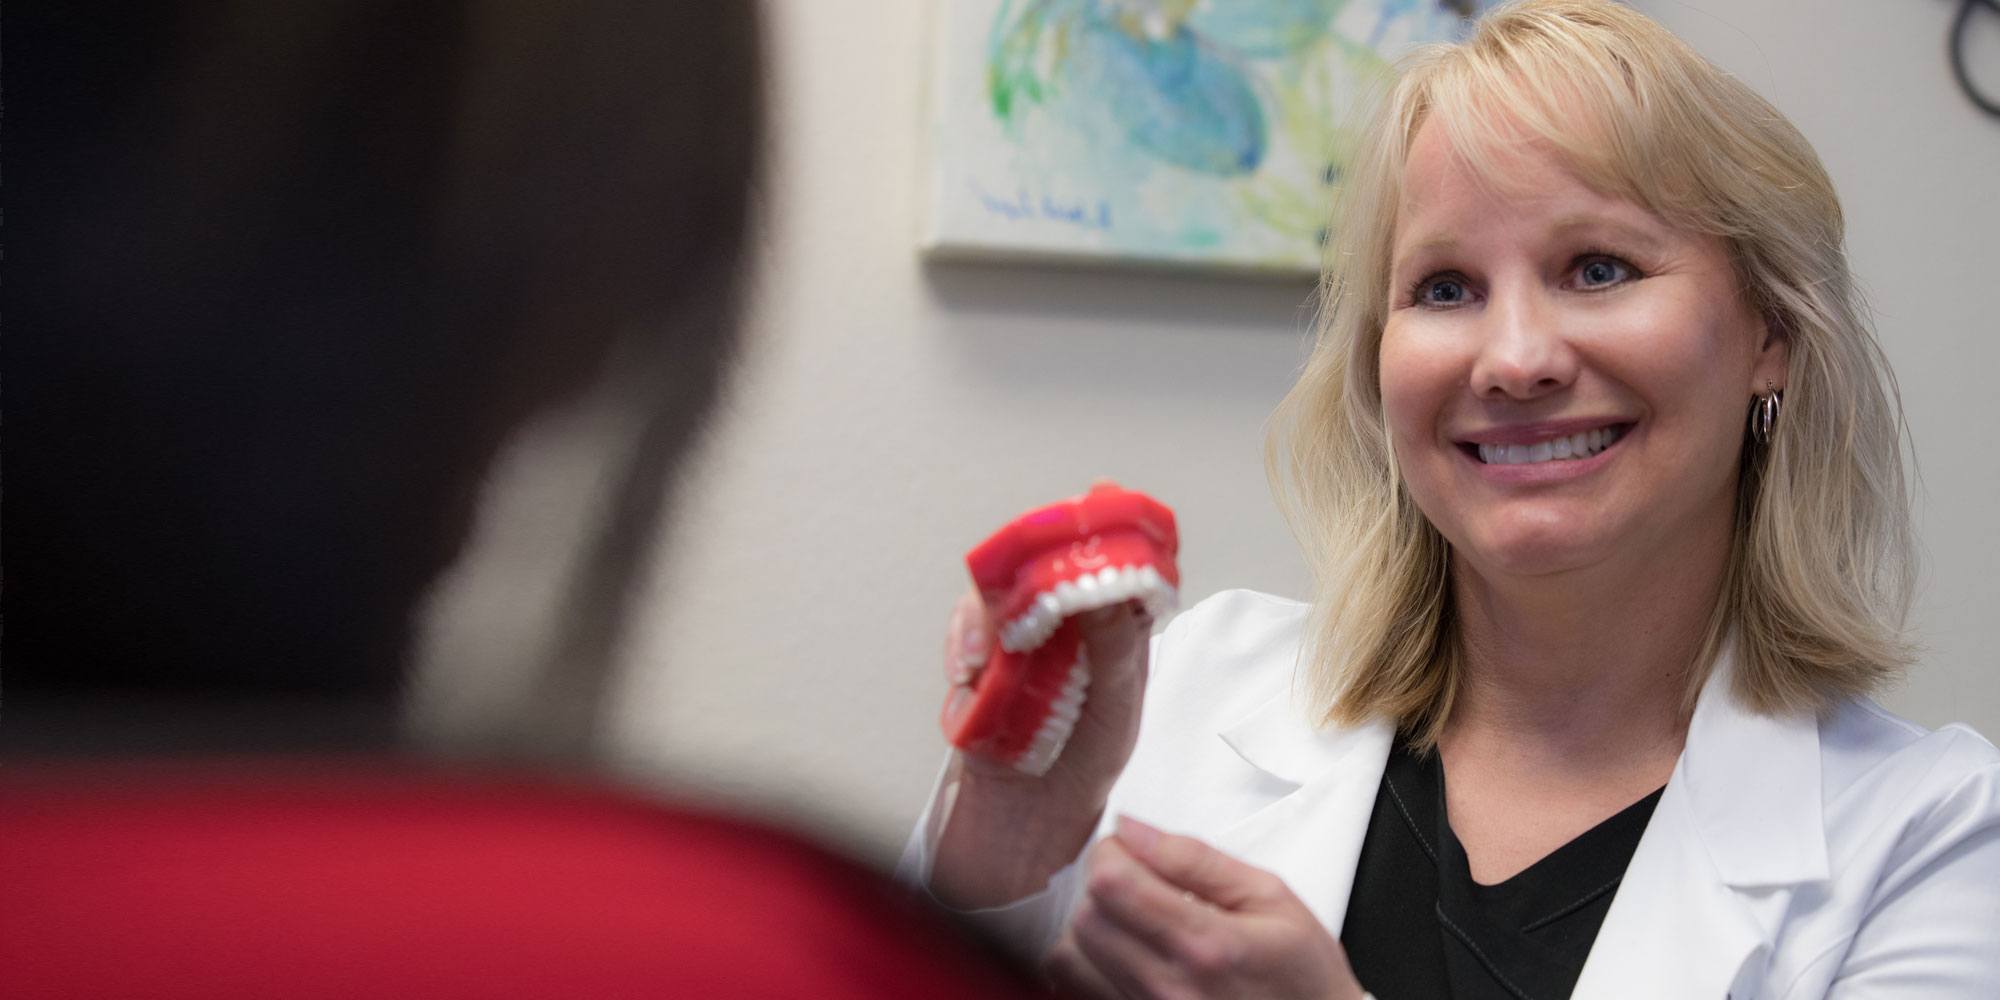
1036, 575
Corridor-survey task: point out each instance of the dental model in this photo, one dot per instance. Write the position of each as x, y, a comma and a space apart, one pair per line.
1036, 575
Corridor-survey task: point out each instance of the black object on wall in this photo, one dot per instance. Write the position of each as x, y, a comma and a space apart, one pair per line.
1956, 48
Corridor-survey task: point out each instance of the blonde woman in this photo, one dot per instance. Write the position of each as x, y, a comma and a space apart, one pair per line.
1598, 465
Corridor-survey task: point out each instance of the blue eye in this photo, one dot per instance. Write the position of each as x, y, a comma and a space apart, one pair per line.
1440, 290
1602, 272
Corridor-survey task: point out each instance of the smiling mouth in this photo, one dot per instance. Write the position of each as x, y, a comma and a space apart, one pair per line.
1568, 448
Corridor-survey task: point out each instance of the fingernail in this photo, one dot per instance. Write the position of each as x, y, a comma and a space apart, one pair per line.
972, 646
955, 702
1136, 835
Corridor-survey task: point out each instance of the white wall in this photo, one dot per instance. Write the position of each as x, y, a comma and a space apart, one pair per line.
889, 414
1918, 170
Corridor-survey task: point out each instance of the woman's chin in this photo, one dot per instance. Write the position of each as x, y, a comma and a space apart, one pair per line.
1545, 551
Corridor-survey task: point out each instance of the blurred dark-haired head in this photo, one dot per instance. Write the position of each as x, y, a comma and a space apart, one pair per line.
281, 280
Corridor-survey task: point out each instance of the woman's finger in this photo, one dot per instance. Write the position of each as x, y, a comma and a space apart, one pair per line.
1117, 640
1168, 919
1189, 864
1132, 967
1074, 975
967, 640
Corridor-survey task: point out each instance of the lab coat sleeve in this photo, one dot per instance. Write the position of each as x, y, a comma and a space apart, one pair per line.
1933, 924
1030, 926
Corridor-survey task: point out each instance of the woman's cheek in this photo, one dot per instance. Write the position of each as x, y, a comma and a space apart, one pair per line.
1415, 385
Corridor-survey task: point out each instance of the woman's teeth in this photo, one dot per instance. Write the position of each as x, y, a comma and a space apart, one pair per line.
1561, 449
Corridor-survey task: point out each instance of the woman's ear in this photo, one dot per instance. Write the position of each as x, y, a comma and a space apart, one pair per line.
1774, 354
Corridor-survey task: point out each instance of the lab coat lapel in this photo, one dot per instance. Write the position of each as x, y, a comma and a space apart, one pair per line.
1310, 837
1738, 829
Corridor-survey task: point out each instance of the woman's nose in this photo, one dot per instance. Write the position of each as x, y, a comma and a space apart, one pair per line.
1523, 354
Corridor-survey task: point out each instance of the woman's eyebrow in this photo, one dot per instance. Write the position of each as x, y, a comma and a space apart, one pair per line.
1641, 237
1430, 246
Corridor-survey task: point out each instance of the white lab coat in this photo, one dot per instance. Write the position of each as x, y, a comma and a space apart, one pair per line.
1851, 856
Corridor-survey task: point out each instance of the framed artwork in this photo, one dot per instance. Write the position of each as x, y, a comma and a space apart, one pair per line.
1207, 133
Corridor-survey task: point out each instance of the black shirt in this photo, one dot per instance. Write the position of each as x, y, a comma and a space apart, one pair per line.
1418, 926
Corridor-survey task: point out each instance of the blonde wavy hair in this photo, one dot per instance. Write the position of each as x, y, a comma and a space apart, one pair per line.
1821, 567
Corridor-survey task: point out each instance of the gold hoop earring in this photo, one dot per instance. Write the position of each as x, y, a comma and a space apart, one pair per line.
1764, 413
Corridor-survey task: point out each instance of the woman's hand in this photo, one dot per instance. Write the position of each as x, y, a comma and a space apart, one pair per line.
1008, 832
1171, 917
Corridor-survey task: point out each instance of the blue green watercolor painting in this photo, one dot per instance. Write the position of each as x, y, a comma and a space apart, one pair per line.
1196, 132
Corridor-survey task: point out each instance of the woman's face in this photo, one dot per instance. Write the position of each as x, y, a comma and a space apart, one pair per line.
1565, 376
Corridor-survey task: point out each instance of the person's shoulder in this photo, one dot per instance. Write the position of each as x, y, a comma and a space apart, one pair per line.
1228, 653
512, 878
1244, 623
1869, 753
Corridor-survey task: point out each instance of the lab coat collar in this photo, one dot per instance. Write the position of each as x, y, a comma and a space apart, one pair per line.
1753, 788
1738, 830
1279, 739
1311, 836
1739, 826
1751, 782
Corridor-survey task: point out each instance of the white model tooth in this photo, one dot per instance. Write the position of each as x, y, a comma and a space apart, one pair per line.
1037, 760
1108, 576
1068, 596
1024, 624
1051, 609
1055, 731
1024, 636
1086, 588
1048, 742
1010, 638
